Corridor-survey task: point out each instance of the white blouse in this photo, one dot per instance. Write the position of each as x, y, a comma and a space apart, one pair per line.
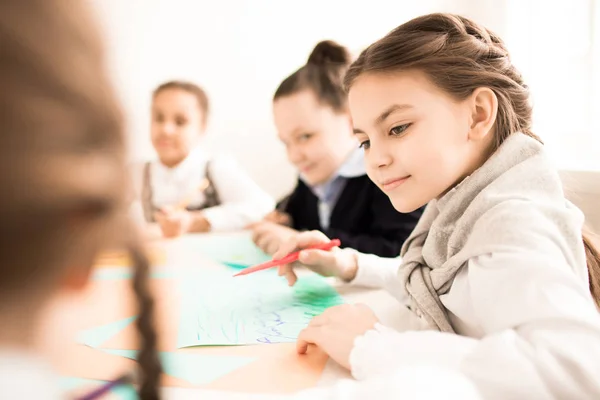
242, 201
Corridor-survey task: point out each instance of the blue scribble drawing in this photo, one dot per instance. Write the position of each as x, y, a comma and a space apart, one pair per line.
260, 308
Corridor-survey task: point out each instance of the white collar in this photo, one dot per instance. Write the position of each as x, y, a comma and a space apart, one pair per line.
191, 162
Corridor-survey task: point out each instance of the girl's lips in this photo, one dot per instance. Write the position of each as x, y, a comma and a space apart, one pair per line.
393, 183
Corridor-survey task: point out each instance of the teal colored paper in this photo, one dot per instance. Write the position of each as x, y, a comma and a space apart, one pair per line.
234, 251
197, 369
257, 308
68, 383
125, 392
96, 336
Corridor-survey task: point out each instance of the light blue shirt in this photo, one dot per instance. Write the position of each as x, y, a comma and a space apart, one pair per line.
329, 192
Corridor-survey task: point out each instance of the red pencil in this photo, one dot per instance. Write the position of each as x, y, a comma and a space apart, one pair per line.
290, 258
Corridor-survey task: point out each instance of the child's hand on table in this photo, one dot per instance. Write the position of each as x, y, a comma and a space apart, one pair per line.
336, 329
268, 236
173, 222
279, 217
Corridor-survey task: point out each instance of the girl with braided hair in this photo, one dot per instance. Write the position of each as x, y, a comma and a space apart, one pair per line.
63, 165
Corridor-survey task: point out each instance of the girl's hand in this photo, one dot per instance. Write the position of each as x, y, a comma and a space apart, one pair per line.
335, 330
173, 223
279, 217
268, 236
335, 262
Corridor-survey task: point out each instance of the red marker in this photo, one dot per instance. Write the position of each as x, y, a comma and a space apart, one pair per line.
290, 258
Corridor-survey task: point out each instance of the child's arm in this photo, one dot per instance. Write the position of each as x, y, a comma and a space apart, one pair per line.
541, 330
174, 222
243, 202
198, 222
348, 265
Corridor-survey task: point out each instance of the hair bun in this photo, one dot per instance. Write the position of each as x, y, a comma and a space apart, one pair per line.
329, 52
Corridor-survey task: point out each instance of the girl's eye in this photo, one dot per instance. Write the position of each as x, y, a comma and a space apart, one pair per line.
365, 145
399, 130
304, 137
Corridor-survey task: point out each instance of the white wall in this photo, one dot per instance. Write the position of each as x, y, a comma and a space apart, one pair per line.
239, 51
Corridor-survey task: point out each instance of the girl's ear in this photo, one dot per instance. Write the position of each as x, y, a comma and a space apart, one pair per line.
484, 109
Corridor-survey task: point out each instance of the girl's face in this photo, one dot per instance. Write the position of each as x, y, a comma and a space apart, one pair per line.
419, 142
317, 139
177, 123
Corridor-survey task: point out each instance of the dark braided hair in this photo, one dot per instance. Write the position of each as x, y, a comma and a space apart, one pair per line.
147, 358
62, 163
